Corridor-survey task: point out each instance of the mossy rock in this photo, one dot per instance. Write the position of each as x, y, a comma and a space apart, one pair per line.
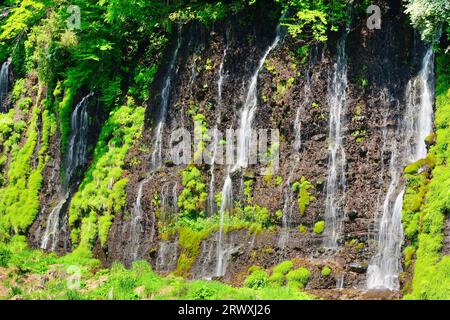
430, 139
319, 227
326, 271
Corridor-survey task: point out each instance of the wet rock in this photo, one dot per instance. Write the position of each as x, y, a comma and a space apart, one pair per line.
362, 151
357, 267
352, 215
319, 137
169, 163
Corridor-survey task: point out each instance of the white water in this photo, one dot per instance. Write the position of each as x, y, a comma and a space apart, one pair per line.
76, 150
75, 157
335, 186
226, 205
52, 229
4, 83
243, 140
156, 158
211, 196
420, 101
416, 126
248, 110
136, 226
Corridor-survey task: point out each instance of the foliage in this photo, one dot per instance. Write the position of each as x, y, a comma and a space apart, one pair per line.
298, 278
430, 17
304, 197
192, 200
284, 267
425, 229
19, 198
312, 19
102, 193
257, 279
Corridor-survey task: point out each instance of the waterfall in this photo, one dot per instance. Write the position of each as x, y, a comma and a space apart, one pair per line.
307, 95
156, 157
420, 98
416, 125
288, 209
249, 108
75, 157
226, 205
52, 229
4, 83
76, 151
215, 140
335, 186
243, 140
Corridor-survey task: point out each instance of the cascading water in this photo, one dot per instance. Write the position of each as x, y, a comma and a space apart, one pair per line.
4, 83
420, 99
75, 157
136, 225
249, 108
215, 140
76, 151
416, 125
336, 182
243, 141
227, 204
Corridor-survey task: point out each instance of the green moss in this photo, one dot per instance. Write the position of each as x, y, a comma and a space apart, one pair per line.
102, 192
326, 271
19, 198
431, 269
298, 278
302, 229
277, 279
248, 184
189, 240
319, 227
284, 267
192, 199
304, 197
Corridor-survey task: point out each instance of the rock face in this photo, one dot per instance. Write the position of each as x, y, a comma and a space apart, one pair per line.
293, 98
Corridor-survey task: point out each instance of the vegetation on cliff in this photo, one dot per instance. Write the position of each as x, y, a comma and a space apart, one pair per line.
117, 50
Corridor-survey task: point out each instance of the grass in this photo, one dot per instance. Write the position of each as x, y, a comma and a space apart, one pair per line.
117, 283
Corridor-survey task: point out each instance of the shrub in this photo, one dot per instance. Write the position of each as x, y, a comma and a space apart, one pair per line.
284, 267
203, 293
257, 279
277, 279
5, 255
304, 197
298, 277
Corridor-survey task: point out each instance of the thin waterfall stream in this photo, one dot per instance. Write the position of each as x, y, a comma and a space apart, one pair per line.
76, 156
415, 127
4, 83
136, 225
216, 135
336, 181
243, 144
